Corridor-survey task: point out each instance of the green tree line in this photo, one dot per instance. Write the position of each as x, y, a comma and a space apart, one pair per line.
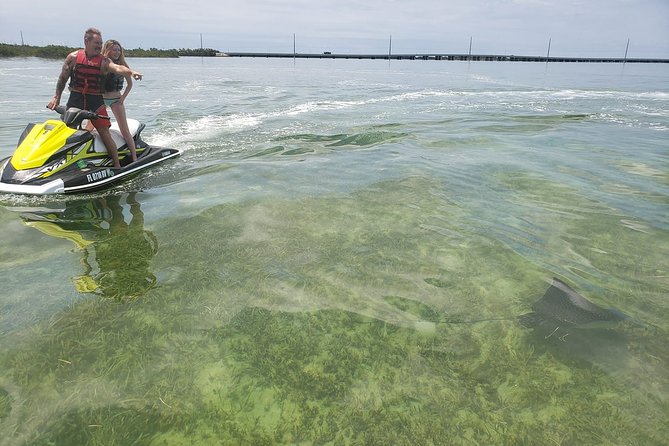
60, 51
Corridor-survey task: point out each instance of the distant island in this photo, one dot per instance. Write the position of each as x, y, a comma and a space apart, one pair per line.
60, 51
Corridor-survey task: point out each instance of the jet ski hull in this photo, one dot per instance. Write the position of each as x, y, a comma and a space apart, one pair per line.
62, 157
81, 179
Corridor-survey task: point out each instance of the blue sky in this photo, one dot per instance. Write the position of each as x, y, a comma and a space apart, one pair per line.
598, 28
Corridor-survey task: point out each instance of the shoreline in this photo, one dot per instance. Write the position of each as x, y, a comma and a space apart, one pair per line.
8, 50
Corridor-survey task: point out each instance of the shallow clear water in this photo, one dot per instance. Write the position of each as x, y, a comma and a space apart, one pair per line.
341, 255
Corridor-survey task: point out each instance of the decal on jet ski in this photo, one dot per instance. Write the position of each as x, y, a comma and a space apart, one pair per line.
53, 167
101, 175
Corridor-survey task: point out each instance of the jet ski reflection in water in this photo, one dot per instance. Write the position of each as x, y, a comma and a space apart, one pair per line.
117, 253
60, 156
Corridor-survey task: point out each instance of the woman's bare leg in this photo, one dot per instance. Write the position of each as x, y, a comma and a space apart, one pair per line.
119, 113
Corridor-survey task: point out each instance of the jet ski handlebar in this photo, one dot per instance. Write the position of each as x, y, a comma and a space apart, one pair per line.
72, 117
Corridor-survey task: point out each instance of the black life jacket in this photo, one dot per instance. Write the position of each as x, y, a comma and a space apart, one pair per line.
114, 82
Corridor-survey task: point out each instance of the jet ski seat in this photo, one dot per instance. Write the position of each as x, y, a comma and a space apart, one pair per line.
99, 146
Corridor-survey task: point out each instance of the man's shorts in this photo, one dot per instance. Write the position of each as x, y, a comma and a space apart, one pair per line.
90, 102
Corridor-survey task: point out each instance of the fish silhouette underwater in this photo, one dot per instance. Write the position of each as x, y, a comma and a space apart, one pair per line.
583, 334
561, 308
564, 324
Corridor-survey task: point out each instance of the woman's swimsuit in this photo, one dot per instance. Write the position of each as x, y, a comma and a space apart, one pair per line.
113, 82
111, 101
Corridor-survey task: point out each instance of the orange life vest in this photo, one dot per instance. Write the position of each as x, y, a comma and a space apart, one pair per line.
86, 76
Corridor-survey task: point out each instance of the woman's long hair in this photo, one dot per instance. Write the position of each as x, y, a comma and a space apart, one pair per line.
106, 48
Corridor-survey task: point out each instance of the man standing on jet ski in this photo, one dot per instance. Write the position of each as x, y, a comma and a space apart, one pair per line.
86, 69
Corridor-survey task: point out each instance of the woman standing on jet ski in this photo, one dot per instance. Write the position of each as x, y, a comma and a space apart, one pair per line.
112, 94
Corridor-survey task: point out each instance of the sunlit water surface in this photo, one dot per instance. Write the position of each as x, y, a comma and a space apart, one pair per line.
341, 255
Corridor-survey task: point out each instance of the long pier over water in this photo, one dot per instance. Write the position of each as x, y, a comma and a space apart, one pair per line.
441, 56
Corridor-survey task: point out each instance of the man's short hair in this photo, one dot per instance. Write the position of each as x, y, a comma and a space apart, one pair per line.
90, 32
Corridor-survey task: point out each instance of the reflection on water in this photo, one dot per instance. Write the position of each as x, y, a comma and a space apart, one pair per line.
116, 250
